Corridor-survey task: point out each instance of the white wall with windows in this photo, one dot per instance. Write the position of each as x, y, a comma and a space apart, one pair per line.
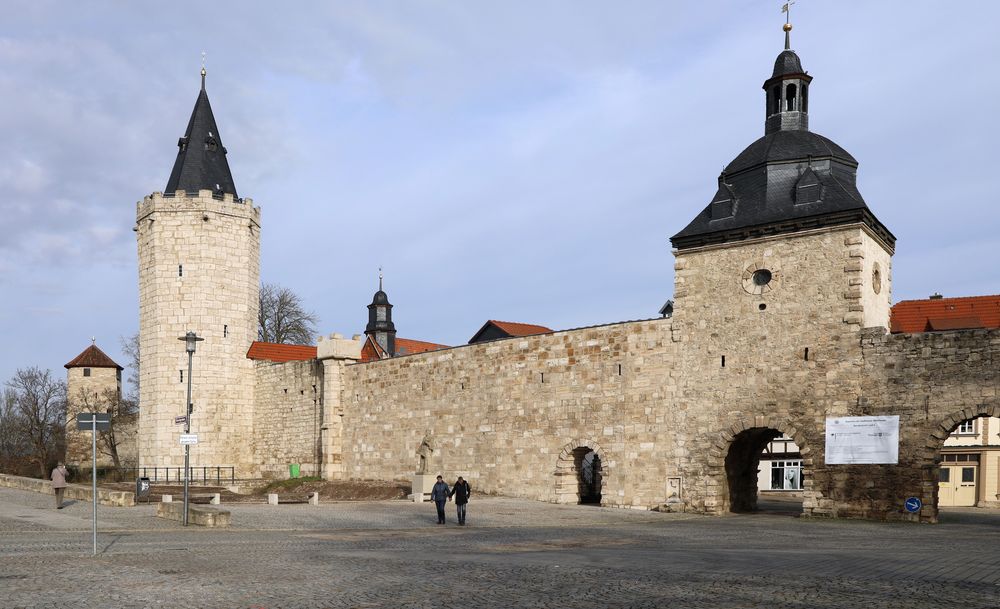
780, 466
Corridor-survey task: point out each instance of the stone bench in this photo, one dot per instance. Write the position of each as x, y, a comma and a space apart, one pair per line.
311, 499
73, 491
198, 515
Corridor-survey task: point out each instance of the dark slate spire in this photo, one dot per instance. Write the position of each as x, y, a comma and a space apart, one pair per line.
789, 180
380, 326
201, 159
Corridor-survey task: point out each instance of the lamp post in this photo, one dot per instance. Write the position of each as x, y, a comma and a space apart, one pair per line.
190, 342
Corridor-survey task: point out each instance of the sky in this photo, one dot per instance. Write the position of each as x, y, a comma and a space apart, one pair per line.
521, 161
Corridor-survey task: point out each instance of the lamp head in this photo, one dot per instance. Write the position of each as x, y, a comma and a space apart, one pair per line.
190, 341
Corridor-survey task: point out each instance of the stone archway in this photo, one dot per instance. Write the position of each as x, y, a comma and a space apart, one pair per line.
931, 455
576, 460
736, 456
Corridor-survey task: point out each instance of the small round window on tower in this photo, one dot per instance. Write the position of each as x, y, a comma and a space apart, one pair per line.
761, 277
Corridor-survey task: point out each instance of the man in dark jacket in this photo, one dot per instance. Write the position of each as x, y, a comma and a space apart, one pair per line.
461, 491
440, 495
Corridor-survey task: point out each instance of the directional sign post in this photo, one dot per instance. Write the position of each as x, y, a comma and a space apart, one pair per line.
913, 505
94, 422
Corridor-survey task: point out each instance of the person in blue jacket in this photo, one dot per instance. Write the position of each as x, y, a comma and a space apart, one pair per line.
440, 495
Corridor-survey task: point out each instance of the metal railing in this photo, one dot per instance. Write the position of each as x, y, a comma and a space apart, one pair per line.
217, 475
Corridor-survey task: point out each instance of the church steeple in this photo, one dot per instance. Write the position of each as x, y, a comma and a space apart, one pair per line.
380, 326
201, 159
787, 91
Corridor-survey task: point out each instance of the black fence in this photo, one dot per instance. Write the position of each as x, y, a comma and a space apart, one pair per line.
216, 475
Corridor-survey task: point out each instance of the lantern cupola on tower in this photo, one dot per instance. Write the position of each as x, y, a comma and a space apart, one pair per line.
380, 326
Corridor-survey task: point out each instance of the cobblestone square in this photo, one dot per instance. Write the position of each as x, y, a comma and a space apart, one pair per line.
514, 553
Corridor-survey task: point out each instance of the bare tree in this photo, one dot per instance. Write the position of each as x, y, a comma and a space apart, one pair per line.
130, 348
282, 317
39, 401
13, 447
123, 418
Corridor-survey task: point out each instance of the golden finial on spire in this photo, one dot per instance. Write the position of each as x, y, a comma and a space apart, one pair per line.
203, 72
786, 9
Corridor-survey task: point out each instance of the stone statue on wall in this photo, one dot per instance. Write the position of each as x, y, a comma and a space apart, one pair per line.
424, 454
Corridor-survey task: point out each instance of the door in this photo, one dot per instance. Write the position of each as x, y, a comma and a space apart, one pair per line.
965, 494
957, 485
946, 487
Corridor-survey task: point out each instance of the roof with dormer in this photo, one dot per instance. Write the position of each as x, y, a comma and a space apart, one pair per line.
92, 357
789, 180
201, 158
938, 314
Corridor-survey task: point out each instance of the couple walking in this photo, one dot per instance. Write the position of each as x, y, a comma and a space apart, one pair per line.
441, 494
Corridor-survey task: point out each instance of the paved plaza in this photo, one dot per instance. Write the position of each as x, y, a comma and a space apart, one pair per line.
514, 554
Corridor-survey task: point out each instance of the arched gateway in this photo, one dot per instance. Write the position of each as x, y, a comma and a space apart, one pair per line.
579, 473
739, 453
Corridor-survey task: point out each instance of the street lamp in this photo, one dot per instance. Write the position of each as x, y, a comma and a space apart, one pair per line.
190, 342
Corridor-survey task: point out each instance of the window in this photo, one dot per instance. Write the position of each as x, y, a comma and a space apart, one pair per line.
182, 376
944, 474
967, 427
805, 97
790, 97
180, 270
775, 99
86, 372
225, 331
968, 474
786, 475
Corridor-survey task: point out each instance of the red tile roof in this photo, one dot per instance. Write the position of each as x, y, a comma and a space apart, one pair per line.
407, 346
508, 329
372, 351
92, 357
937, 314
516, 329
275, 352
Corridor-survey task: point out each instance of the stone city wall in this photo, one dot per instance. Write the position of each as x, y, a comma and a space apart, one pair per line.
934, 381
288, 417
507, 414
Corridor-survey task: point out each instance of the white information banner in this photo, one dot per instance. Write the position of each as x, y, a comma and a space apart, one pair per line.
852, 440
189, 438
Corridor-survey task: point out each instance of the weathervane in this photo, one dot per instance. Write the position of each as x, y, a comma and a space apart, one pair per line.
203, 72
786, 9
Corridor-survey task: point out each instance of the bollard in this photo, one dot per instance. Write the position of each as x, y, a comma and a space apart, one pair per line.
216, 499
313, 498
166, 499
272, 498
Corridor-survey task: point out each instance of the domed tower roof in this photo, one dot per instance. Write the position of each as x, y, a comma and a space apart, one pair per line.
790, 179
787, 63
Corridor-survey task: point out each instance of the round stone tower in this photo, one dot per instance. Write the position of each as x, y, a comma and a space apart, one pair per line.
199, 271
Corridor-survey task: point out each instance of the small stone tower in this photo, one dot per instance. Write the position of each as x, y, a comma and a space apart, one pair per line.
199, 270
92, 380
380, 326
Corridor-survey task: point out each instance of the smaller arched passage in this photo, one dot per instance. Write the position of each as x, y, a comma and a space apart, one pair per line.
932, 455
579, 473
739, 449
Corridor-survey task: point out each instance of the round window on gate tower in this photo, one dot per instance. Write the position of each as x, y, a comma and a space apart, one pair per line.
761, 277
